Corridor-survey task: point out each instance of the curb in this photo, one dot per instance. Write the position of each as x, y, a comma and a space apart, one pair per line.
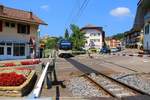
131, 55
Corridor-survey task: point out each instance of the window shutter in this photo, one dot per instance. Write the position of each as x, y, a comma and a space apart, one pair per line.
28, 29
1, 26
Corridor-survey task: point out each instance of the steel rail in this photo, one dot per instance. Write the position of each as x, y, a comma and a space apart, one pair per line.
98, 85
124, 84
84, 71
117, 65
134, 90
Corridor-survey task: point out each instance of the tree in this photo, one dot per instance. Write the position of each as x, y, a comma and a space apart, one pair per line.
118, 36
77, 37
51, 42
66, 35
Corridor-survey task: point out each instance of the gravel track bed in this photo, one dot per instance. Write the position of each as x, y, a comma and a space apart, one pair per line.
79, 86
115, 88
135, 80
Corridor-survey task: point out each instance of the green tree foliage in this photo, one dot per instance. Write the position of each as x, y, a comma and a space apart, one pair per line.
60, 38
118, 36
66, 35
77, 37
51, 42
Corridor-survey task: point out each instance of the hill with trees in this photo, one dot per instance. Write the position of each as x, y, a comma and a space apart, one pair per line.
118, 36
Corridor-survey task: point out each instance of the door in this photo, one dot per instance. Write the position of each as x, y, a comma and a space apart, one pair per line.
9, 51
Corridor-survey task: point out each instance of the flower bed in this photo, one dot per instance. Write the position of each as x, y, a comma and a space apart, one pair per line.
20, 70
28, 62
11, 79
9, 64
16, 81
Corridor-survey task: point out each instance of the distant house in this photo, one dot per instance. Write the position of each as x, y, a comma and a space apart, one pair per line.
18, 33
94, 37
133, 39
113, 43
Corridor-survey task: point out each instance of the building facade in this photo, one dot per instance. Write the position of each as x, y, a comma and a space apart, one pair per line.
94, 37
113, 43
142, 21
147, 32
18, 33
134, 39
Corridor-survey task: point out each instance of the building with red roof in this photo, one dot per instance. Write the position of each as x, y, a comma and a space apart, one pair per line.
18, 33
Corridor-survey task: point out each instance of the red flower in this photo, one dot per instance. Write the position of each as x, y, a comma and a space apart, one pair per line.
30, 62
11, 79
22, 68
9, 64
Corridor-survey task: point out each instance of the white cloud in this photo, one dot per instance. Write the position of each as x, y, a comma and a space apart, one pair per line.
45, 7
120, 12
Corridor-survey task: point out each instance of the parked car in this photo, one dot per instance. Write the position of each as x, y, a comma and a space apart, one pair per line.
105, 50
113, 50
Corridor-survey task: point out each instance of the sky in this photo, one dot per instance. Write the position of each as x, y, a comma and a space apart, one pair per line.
115, 16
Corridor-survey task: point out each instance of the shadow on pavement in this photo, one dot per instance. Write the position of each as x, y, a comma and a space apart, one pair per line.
82, 67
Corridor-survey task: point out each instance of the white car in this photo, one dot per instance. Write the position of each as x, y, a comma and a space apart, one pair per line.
114, 50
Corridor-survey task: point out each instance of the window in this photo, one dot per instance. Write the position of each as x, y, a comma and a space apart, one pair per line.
98, 34
12, 25
24, 29
147, 29
1, 26
1, 50
9, 44
8, 50
7, 24
2, 43
19, 49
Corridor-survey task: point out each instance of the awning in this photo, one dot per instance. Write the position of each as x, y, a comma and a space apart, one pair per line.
13, 41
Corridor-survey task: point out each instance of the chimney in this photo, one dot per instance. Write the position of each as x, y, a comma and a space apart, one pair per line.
1, 9
31, 15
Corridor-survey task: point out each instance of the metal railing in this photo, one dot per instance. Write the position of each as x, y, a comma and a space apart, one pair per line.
39, 85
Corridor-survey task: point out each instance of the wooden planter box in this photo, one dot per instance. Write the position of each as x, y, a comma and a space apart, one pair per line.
21, 90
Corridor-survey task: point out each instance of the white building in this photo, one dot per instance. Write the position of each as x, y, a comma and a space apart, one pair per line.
147, 32
18, 33
142, 23
94, 37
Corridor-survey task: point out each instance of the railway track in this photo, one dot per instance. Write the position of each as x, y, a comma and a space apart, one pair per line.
113, 87
121, 66
110, 85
